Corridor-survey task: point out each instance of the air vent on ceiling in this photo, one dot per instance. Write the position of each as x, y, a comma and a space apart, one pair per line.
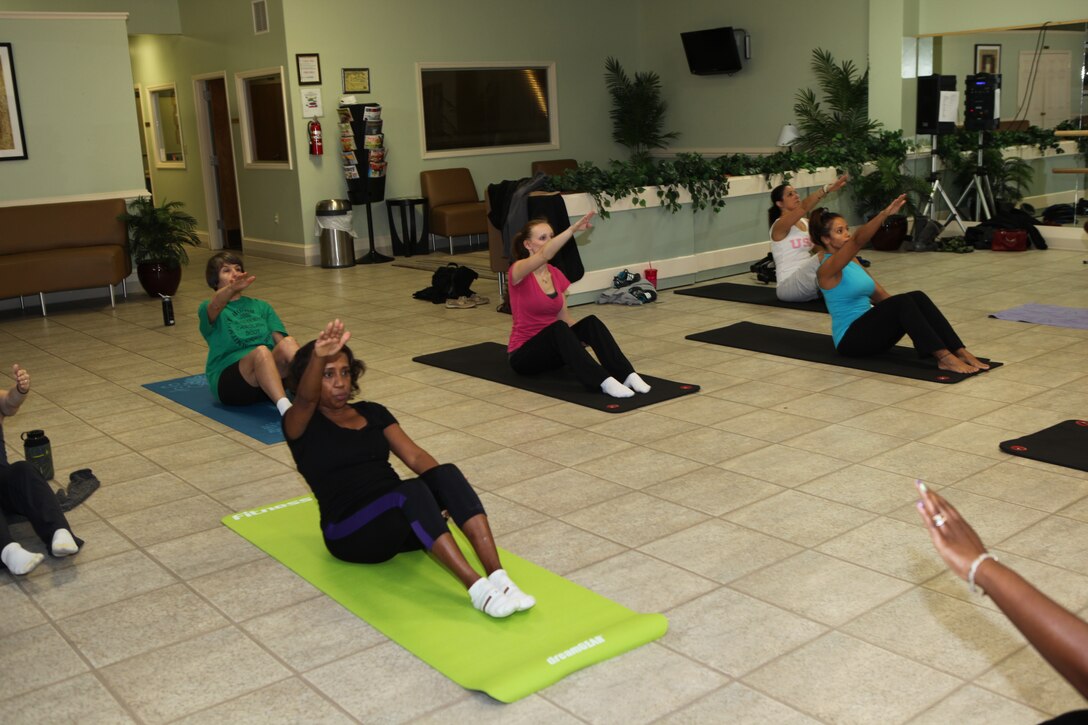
260, 17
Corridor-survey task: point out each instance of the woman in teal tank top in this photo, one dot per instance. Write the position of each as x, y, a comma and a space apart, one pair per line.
865, 319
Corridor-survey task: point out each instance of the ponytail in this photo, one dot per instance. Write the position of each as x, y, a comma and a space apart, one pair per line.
775, 211
819, 224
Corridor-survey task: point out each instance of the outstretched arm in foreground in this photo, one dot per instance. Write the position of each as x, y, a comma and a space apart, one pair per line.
1059, 636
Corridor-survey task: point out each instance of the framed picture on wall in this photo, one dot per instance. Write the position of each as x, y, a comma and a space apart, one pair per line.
309, 69
12, 139
356, 80
988, 59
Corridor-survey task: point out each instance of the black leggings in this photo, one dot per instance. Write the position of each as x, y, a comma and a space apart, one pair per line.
910, 313
23, 491
407, 517
561, 344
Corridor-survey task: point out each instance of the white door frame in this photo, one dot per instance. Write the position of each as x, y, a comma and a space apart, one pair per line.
216, 238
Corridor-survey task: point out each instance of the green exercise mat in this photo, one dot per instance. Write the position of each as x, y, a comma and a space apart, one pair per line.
420, 606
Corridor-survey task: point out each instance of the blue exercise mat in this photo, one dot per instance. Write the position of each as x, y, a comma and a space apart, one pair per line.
260, 421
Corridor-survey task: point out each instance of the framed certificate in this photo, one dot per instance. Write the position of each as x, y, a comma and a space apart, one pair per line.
309, 69
356, 80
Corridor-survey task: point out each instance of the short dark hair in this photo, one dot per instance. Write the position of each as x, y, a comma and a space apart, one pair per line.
216, 263
302, 359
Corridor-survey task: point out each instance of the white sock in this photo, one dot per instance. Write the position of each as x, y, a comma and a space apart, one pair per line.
502, 580
490, 600
283, 405
18, 560
634, 382
63, 543
616, 389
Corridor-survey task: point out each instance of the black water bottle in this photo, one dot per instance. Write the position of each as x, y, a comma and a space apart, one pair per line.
38, 453
167, 311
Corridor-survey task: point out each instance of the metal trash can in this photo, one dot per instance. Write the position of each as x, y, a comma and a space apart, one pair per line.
333, 225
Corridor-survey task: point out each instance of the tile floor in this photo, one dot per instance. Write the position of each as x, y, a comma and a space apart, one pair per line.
770, 517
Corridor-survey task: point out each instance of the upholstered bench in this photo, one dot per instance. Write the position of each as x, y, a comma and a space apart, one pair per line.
62, 246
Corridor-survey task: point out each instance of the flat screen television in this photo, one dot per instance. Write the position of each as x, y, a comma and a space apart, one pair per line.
714, 51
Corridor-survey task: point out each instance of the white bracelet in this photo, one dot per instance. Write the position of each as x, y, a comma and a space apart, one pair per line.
974, 568
827, 189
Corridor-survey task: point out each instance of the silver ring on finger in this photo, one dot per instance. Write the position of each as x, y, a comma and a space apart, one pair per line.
939, 520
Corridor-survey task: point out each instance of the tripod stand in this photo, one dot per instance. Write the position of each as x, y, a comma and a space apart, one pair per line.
931, 203
980, 184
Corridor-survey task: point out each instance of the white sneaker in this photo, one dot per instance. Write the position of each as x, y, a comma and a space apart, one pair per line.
521, 600
490, 600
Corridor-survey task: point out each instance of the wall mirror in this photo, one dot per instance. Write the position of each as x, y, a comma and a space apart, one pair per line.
263, 118
166, 126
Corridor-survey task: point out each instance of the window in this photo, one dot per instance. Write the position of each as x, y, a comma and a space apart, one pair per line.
263, 117
166, 126
487, 108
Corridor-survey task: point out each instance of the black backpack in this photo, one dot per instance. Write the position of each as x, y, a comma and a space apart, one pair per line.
764, 269
448, 283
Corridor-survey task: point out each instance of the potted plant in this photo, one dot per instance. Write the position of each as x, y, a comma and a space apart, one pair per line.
638, 111
157, 239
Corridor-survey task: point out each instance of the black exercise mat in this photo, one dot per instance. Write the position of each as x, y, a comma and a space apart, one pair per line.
815, 347
487, 360
1064, 444
750, 294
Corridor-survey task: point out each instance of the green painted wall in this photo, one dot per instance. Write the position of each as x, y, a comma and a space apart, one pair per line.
390, 38
749, 108
145, 16
79, 118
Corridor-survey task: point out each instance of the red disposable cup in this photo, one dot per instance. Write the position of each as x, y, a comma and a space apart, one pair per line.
650, 274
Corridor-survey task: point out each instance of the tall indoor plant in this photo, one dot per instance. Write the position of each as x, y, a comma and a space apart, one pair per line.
638, 111
157, 239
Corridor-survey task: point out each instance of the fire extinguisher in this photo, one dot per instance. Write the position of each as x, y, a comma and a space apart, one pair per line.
314, 132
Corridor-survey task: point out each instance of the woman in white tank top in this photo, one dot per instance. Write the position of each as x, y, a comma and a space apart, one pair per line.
794, 263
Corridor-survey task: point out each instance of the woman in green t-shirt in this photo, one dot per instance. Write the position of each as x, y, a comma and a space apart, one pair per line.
249, 350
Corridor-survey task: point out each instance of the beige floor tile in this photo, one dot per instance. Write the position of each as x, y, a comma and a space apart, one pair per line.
930, 463
204, 552
708, 445
846, 443
734, 633
641, 427
1027, 678
826, 407
19, 611
253, 588
140, 624
844, 680
397, 682
639, 467
559, 547
80, 699
739, 704
783, 465
156, 524
799, 517
641, 582
572, 447
96, 583
174, 681
1044, 491
1056, 540
506, 516
40, 656
877, 391
559, 493
465, 414
139, 493
287, 701
702, 409
819, 587
951, 405
479, 708
994, 520
713, 490
331, 633
975, 706
760, 394
215, 475
634, 519
770, 425
124, 468
260, 493
513, 429
891, 547
200, 450
85, 453
900, 423
699, 549
946, 633
490, 471
642, 686
867, 488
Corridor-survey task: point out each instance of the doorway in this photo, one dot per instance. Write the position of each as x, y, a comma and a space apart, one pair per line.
143, 140
217, 159
1045, 79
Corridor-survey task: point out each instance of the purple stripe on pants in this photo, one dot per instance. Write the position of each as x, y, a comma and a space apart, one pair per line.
371, 511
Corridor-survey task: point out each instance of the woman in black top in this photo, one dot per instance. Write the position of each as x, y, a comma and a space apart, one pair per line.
369, 515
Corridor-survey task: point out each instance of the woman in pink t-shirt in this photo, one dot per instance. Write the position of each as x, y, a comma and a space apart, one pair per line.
544, 336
